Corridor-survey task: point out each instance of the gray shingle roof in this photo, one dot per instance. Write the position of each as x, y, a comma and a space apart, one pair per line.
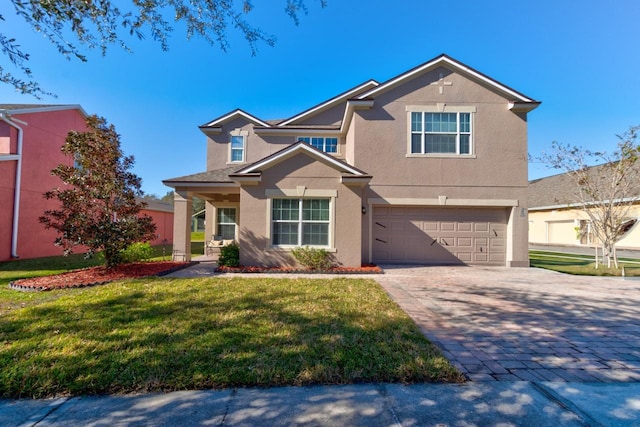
560, 190
213, 176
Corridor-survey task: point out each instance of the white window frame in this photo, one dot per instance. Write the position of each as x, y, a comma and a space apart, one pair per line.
441, 108
235, 224
244, 135
324, 143
300, 193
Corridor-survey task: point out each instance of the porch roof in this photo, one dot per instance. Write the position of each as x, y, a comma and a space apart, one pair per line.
217, 176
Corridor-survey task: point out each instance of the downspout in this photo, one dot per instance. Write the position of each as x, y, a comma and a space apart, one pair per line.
16, 197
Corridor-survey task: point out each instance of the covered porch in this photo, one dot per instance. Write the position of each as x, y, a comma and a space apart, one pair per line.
222, 209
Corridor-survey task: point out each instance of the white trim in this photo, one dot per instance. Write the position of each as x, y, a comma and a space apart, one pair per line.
581, 205
329, 103
236, 112
11, 111
443, 61
304, 147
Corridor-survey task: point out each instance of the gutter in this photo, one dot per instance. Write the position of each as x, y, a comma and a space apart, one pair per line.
16, 197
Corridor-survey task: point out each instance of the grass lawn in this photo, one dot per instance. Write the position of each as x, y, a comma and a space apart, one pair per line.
172, 334
580, 264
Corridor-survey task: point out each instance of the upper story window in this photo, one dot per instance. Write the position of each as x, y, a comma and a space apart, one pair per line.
326, 144
441, 132
237, 148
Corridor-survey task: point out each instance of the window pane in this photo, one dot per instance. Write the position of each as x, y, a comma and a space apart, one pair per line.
305, 139
227, 231
465, 122
226, 215
331, 145
315, 210
315, 234
285, 233
416, 122
237, 142
236, 155
416, 143
465, 147
285, 210
318, 143
440, 143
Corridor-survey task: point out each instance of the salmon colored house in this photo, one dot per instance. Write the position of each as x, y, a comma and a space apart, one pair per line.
30, 140
429, 167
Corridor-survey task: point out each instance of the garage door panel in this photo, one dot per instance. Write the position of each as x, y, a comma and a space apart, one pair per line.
481, 226
439, 235
465, 227
464, 242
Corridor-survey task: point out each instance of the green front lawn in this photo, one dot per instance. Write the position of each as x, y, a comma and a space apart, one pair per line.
172, 334
581, 264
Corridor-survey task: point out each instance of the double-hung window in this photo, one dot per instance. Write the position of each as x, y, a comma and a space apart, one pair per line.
326, 144
237, 148
441, 132
300, 222
227, 223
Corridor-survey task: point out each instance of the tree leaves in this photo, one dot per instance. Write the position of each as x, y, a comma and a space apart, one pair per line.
98, 24
98, 199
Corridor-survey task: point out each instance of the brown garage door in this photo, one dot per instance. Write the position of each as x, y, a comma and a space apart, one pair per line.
418, 235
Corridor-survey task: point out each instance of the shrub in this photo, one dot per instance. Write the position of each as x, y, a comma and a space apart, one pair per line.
312, 258
229, 255
137, 252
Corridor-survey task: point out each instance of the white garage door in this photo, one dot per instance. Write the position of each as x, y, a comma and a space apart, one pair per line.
418, 235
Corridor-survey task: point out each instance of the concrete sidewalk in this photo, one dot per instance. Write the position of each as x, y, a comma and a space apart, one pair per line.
472, 404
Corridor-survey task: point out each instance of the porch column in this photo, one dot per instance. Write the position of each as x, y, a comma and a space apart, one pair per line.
181, 226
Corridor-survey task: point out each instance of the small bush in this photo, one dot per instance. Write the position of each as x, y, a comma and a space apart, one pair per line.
229, 255
137, 252
312, 258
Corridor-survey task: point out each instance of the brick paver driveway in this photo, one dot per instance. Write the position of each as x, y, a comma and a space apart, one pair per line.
525, 324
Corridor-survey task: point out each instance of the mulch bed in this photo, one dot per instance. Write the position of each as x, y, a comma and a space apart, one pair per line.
97, 276
365, 269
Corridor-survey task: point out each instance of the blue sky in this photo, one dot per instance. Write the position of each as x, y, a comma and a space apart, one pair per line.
580, 58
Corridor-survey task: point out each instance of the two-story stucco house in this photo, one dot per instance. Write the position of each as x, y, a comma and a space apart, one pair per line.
429, 167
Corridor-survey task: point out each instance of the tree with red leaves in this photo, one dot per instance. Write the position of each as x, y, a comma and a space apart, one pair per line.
98, 205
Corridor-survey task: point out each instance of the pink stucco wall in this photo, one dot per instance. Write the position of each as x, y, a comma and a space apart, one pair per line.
44, 135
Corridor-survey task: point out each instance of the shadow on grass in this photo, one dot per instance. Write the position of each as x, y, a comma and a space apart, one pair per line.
160, 335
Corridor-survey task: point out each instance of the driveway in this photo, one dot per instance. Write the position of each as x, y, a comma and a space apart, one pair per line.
499, 324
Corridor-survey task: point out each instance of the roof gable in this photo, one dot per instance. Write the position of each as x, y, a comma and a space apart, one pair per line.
292, 150
456, 66
216, 123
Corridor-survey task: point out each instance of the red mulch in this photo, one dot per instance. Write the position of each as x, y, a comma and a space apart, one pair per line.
365, 269
97, 276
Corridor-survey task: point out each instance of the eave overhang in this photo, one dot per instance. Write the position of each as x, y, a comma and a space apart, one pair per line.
523, 107
355, 181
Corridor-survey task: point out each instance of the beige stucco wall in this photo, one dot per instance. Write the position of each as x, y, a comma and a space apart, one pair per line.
497, 169
558, 227
299, 171
258, 146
